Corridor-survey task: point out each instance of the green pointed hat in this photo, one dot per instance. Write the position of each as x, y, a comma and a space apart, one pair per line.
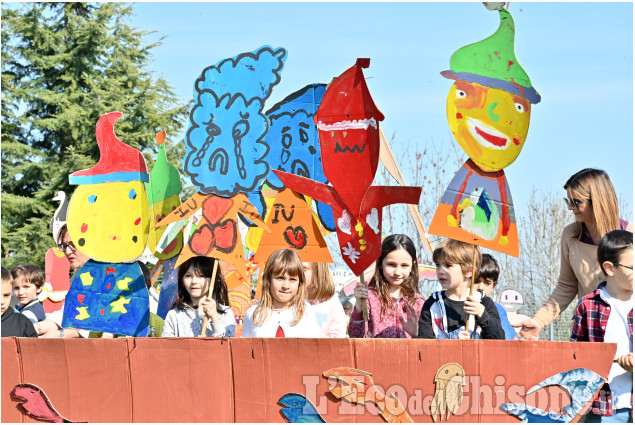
165, 180
492, 62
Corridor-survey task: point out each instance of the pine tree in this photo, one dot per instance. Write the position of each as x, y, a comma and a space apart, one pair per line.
64, 65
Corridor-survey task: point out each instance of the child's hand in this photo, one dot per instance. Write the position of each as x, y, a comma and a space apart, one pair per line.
47, 329
411, 323
207, 305
473, 306
361, 292
464, 335
626, 361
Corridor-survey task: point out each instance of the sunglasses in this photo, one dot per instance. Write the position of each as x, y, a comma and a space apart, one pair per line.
573, 203
62, 247
622, 265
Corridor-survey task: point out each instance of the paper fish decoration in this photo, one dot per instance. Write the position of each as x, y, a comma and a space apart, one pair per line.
488, 110
108, 297
108, 213
348, 130
56, 280
34, 401
164, 191
225, 143
292, 226
299, 410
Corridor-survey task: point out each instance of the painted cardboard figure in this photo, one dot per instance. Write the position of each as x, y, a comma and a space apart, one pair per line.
348, 130
488, 110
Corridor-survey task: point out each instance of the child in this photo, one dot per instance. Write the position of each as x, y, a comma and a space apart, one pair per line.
192, 303
13, 324
444, 314
283, 310
326, 305
606, 315
394, 301
486, 282
28, 280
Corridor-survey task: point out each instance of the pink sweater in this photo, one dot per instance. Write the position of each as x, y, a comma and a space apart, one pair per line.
388, 326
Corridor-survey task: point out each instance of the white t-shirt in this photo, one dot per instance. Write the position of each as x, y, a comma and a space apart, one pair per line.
617, 331
331, 318
307, 327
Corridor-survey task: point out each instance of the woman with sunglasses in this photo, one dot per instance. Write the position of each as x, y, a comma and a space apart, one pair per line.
591, 197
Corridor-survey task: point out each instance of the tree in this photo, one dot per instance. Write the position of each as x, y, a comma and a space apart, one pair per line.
63, 66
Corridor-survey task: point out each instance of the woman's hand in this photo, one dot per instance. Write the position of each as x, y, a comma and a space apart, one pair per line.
411, 323
530, 329
207, 305
361, 292
473, 306
626, 361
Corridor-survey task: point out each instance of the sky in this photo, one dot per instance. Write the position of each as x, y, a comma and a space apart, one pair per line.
579, 57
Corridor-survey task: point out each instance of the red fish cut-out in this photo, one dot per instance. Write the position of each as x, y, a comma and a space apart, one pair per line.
296, 237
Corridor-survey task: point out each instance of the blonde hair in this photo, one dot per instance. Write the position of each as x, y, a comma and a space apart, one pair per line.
323, 287
456, 252
596, 187
281, 262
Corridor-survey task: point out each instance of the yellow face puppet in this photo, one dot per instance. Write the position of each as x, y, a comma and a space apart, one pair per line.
109, 220
489, 124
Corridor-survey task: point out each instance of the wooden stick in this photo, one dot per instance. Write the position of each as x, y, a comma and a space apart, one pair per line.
364, 300
210, 292
467, 319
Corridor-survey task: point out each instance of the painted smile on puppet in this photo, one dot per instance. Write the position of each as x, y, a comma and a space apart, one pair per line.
487, 136
349, 131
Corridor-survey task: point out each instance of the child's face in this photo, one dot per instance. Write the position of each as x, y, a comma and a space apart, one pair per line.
6, 295
622, 276
196, 286
283, 289
24, 291
451, 277
485, 285
308, 274
396, 266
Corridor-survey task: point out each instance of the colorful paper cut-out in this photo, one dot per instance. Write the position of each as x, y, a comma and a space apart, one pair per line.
348, 130
169, 287
292, 226
225, 143
581, 384
108, 213
56, 280
488, 110
448, 394
299, 410
34, 401
59, 217
108, 297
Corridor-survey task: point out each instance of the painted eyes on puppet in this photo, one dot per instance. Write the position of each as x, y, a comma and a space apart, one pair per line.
460, 94
520, 108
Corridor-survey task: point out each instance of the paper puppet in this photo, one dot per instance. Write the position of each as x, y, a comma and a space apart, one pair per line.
292, 226
56, 280
108, 221
513, 300
358, 387
169, 286
59, 217
448, 394
36, 403
164, 191
225, 143
299, 410
488, 110
240, 298
348, 130
581, 384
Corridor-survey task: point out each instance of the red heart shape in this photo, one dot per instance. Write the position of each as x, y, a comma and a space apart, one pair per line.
202, 240
296, 237
215, 207
225, 235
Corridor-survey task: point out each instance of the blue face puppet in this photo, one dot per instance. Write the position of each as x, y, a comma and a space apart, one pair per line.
225, 143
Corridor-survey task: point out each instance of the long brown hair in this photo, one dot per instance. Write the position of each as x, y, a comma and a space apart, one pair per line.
378, 282
322, 288
202, 267
596, 187
279, 263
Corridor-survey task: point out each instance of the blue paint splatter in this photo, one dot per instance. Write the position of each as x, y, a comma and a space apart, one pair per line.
92, 199
132, 194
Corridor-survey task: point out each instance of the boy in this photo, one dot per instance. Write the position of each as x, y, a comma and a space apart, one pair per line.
443, 315
606, 315
28, 280
13, 324
486, 282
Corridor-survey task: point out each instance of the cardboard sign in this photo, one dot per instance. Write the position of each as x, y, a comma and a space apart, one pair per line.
225, 143
108, 297
108, 213
292, 226
477, 208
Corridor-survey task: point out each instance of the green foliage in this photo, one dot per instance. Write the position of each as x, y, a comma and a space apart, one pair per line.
64, 65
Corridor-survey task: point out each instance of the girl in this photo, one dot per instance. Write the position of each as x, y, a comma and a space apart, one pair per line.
394, 301
283, 310
326, 305
591, 197
192, 302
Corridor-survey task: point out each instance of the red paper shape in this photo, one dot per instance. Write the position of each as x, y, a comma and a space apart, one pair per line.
57, 269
